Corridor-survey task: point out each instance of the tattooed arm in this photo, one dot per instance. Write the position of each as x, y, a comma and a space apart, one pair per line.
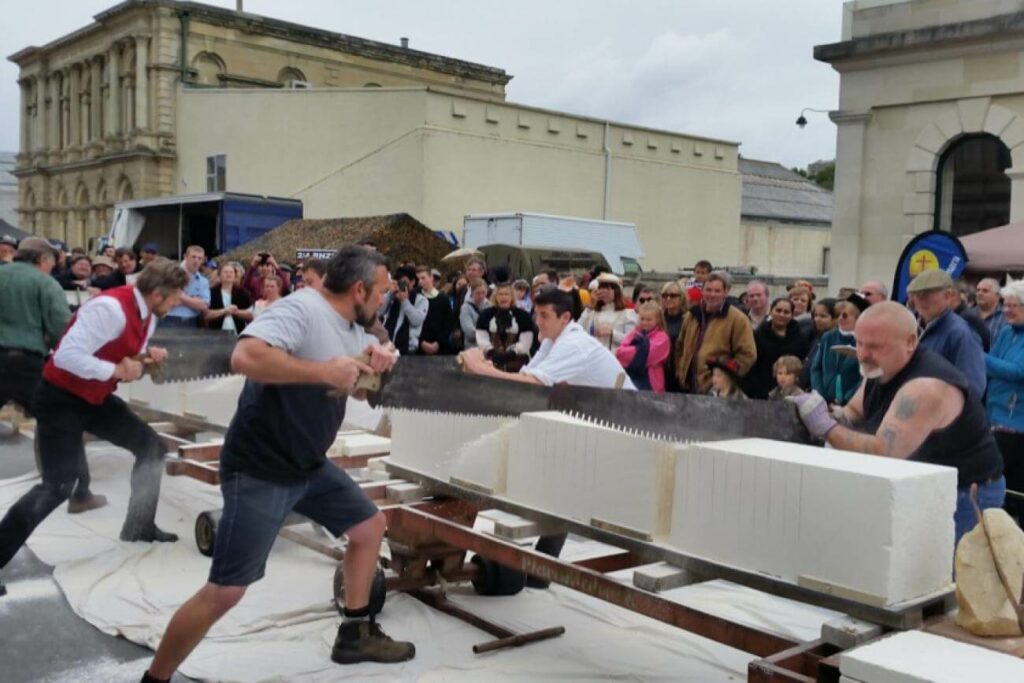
919, 408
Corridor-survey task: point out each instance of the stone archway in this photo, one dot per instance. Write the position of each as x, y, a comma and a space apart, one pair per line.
968, 117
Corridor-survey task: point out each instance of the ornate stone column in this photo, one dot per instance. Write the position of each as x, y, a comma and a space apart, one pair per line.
74, 112
38, 119
65, 109
141, 82
84, 106
25, 140
53, 133
113, 113
96, 101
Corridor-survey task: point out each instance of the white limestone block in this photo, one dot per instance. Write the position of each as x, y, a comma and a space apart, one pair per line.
404, 492
660, 577
483, 462
916, 656
874, 529
583, 471
429, 442
359, 443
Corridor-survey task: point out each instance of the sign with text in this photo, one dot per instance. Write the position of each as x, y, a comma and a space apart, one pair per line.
319, 254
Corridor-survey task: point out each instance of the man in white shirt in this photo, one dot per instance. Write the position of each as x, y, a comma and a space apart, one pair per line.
567, 354
99, 349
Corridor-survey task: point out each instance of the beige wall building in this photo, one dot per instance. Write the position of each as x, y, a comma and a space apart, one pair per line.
930, 125
439, 154
785, 221
159, 98
98, 106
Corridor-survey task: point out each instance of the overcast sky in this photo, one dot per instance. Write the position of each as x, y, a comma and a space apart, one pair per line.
735, 69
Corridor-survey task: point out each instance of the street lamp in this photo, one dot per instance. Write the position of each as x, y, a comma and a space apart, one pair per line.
802, 120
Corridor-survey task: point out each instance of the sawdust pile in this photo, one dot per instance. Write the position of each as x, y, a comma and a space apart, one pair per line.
399, 236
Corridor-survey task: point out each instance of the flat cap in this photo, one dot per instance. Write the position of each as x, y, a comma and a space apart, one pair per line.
929, 280
37, 244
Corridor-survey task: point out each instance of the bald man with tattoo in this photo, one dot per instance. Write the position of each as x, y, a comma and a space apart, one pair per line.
912, 404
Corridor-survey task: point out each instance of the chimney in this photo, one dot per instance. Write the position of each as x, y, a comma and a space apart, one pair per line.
238, 6
405, 41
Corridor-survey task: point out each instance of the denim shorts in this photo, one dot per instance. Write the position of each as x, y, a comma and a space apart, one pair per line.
255, 509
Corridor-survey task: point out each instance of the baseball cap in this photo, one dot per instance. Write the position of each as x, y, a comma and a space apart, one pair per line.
8, 240
929, 280
37, 244
151, 247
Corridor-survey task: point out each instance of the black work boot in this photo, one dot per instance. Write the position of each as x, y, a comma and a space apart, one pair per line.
364, 641
149, 533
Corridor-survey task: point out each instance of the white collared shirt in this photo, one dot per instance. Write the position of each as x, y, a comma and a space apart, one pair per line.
99, 321
576, 358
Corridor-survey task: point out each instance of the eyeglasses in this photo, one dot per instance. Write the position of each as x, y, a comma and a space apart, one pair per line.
644, 299
669, 295
606, 285
847, 315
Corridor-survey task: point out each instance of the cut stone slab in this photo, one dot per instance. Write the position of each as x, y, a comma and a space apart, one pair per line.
361, 443
915, 656
876, 530
660, 577
404, 493
847, 632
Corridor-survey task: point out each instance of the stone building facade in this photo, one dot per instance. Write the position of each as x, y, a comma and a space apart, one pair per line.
99, 116
930, 126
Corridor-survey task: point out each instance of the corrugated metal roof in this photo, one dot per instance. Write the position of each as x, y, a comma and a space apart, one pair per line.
773, 192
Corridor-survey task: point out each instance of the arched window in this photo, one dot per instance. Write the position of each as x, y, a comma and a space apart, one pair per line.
124, 189
289, 76
208, 66
972, 191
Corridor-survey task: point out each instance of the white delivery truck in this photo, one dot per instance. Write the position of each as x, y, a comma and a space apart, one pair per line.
617, 242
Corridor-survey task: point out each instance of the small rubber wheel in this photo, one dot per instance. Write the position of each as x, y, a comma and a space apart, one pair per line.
496, 579
206, 531
378, 591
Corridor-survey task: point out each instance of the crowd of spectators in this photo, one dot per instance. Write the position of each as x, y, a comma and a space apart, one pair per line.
690, 335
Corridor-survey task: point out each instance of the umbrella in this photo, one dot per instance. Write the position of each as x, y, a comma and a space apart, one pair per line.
464, 252
996, 250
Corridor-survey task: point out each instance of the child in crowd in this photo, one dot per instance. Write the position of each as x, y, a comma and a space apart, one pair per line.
725, 378
787, 371
523, 300
645, 349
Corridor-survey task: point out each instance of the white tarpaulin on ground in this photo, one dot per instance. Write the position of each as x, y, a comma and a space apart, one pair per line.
284, 627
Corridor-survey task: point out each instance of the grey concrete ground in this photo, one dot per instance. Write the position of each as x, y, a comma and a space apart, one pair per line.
41, 638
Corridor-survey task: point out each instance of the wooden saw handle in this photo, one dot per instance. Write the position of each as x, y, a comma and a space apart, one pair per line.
365, 382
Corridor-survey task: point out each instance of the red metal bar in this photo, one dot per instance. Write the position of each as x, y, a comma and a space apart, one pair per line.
746, 638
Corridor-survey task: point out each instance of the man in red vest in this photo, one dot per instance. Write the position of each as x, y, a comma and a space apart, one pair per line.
99, 349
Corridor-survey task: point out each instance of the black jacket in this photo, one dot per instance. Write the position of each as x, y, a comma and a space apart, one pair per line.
239, 298
770, 347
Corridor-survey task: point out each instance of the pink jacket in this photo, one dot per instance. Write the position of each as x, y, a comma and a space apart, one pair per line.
660, 347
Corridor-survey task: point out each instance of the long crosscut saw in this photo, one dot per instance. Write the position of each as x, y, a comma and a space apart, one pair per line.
436, 383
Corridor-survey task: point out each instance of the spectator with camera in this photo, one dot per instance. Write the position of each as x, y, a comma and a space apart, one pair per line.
262, 265
404, 310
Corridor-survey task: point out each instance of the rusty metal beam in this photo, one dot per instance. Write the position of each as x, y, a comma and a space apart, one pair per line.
800, 664
746, 638
906, 616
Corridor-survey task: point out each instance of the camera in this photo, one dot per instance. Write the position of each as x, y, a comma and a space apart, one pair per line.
403, 285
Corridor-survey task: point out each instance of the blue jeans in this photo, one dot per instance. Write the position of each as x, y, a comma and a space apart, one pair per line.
255, 509
990, 495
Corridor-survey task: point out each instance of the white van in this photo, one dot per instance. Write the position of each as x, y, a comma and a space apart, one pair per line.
617, 242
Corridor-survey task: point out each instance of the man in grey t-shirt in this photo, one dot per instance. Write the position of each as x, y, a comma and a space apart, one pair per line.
274, 457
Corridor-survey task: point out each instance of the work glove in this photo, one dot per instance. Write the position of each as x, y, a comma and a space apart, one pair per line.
814, 413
